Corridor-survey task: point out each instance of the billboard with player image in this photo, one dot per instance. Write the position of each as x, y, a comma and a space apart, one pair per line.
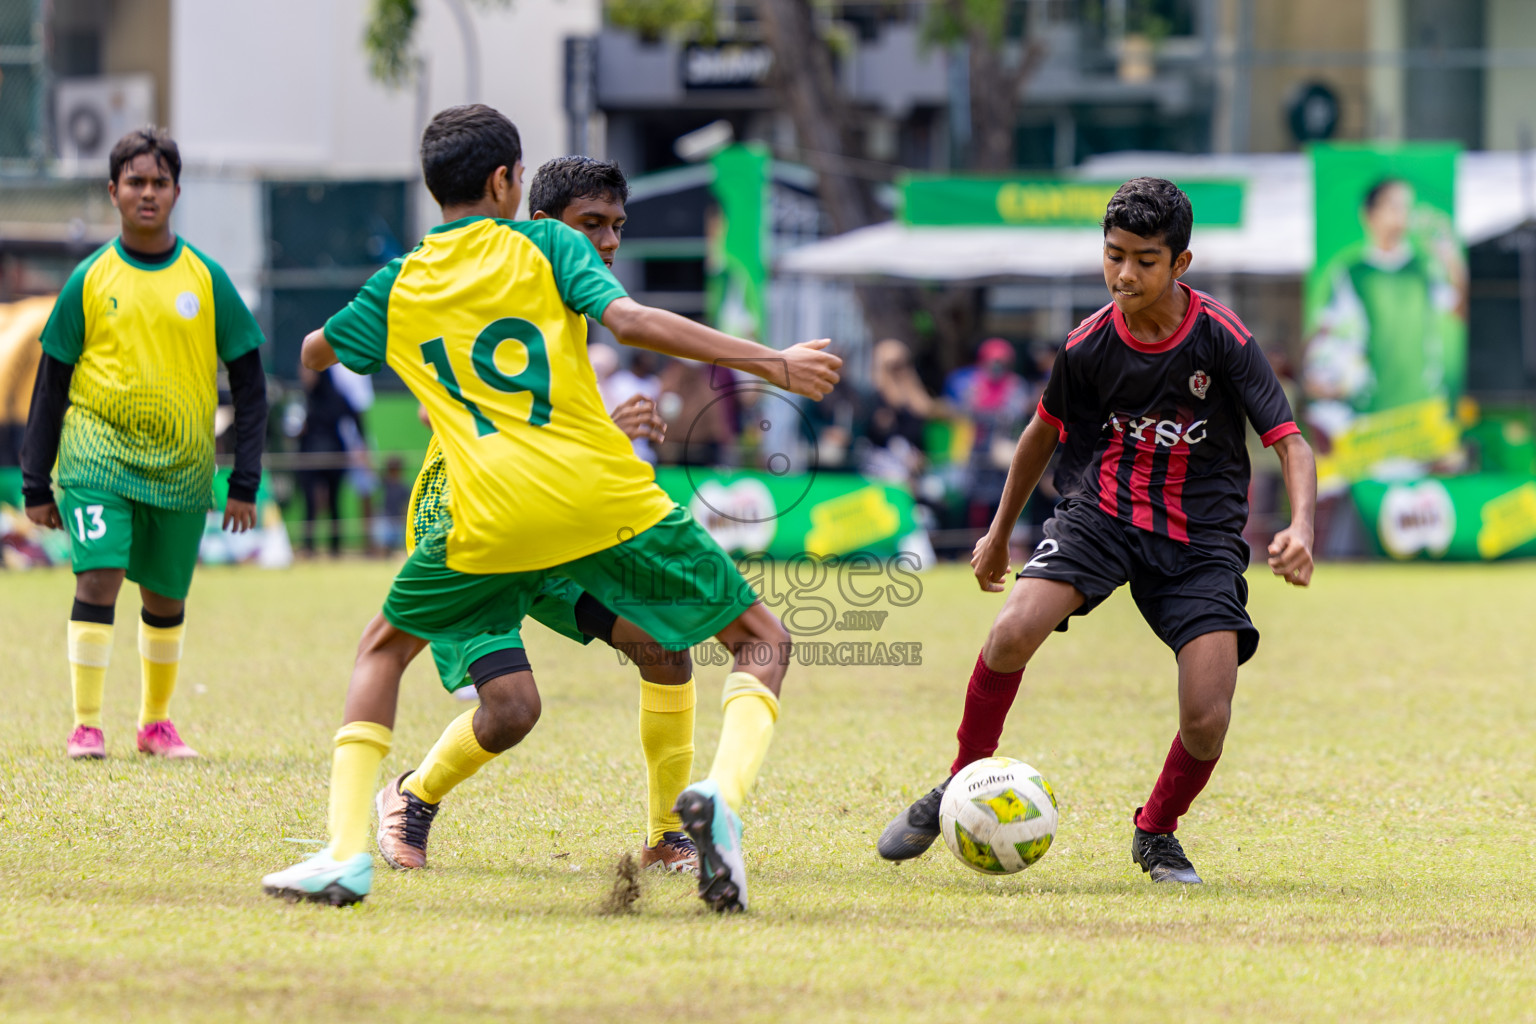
1386, 312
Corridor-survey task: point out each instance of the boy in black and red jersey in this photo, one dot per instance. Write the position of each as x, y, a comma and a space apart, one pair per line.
1149, 397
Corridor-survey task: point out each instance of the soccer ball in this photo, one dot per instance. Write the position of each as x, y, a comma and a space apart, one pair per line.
998, 815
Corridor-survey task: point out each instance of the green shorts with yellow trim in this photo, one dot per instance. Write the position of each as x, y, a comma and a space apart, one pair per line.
555, 607
158, 547
671, 580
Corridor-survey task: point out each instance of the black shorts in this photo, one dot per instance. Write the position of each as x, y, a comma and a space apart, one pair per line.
1183, 590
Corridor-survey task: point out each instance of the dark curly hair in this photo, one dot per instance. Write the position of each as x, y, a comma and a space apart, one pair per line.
1152, 208
563, 180
462, 147
155, 141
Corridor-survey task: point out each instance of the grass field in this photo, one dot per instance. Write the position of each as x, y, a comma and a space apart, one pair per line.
1367, 840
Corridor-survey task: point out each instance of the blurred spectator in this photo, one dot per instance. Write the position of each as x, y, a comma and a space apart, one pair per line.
325, 410
698, 415
996, 401
840, 421
618, 385
899, 416
357, 390
957, 383
389, 528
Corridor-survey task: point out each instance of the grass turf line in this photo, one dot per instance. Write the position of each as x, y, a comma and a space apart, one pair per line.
1366, 838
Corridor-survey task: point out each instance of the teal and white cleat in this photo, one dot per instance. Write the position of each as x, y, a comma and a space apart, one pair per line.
716, 831
320, 878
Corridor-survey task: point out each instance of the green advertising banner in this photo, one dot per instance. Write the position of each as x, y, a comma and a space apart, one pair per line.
736, 293
1044, 202
1385, 309
752, 511
1480, 517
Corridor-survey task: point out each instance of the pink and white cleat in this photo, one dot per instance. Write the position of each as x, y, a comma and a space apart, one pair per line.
162, 740
87, 741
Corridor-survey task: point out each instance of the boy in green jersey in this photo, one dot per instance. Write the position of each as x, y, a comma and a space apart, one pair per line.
124, 403
588, 195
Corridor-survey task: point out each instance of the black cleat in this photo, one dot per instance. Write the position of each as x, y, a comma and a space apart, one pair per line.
1161, 856
912, 831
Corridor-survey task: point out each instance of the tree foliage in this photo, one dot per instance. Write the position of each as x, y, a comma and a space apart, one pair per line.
652, 19
390, 34
387, 40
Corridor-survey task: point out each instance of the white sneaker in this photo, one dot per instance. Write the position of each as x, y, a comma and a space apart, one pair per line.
716, 833
320, 878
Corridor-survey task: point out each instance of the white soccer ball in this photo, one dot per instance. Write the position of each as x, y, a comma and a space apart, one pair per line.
998, 815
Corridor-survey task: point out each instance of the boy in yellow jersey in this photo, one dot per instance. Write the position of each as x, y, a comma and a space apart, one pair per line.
589, 195
124, 401
483, 321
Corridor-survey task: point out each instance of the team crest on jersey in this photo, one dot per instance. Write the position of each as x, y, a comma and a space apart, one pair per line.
187, 305
1199, 383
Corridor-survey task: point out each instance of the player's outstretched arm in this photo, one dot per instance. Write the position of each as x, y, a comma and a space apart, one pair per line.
806, 369
1290, 553
317, 353
990, 559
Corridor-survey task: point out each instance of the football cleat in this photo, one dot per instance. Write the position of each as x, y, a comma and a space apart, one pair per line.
405, 821
912, 831
86, 742
320, 878
716, 832
675, 852
160, 739
1161, 856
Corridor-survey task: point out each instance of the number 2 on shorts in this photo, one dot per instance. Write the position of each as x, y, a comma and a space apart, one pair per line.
1043, 550
98, 526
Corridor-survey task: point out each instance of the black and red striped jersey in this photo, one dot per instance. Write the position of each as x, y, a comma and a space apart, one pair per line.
1154, 434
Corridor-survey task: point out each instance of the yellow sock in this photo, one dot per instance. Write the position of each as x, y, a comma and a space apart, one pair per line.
666, 736
90, 649
160, 661
750, 711
453, 758
360, 749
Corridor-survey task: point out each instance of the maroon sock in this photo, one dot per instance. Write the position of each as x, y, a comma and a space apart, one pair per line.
987, 700
1182, 779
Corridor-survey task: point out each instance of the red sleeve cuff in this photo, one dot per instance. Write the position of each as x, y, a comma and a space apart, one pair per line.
1269, 437
1061, 428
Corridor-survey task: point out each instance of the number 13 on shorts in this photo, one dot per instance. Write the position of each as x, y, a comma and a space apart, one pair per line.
88, 524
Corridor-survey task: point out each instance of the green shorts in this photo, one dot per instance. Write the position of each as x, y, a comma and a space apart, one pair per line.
157, 546
672, 580
555, 607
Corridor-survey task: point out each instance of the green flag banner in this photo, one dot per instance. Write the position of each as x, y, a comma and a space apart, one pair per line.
736, 293
1479, 517
1044, 202
1385, 309
751, 511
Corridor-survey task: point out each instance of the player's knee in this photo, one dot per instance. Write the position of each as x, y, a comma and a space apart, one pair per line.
98, 586
508, 712
1011, 644
1204, 730
663, 667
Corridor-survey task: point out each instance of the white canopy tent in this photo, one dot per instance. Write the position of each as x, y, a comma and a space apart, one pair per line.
1275, 239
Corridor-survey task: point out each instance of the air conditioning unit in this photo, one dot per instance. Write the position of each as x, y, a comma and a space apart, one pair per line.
91, 114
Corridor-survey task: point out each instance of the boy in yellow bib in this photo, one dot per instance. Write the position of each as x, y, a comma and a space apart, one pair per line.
482, 321
125, 398
589, 195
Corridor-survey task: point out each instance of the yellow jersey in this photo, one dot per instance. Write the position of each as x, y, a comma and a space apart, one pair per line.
145, 340
484, 323
429, 496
